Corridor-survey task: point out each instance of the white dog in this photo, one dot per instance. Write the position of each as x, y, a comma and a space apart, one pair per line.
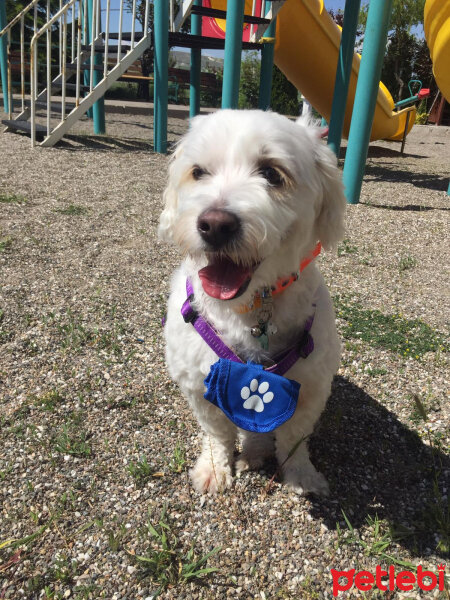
250, 194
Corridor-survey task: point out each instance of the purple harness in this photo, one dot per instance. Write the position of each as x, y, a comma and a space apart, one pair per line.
253, 398
286, 360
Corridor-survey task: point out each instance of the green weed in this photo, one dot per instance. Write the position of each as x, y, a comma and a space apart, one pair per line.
12, 198
377, 540
345, 247
72, 209
178, 460
5, 243
48, 401
406, 262
141, 470
72, 439
165, 561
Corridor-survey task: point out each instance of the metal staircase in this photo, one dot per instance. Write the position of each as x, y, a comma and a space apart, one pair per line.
81, 64
81, 61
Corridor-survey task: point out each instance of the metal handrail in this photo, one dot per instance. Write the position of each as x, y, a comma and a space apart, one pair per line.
17, 18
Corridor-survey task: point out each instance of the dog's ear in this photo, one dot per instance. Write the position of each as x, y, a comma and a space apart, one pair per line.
170, 197
330, 221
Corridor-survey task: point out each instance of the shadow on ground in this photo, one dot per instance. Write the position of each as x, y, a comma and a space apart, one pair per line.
406, 207
377, 466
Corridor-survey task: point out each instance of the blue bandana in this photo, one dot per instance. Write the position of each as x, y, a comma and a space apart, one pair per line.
252, 398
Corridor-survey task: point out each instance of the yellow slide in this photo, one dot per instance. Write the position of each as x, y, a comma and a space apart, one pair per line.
437, 33
306, 50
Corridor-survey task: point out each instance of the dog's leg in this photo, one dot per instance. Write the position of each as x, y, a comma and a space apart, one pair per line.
256, 447
212, 471
292, 447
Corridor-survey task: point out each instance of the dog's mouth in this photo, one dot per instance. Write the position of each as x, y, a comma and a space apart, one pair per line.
223, 279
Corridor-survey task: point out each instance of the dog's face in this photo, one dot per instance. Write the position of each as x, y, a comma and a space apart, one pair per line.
250, 192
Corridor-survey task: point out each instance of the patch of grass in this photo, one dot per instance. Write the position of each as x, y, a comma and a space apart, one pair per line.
5, 243
72, 439
141, 470
48, 401
375, 542
72, 210
436, 516
407, 337
178, 460
116, 538
12, 198
346, 247
406, 262
166, 562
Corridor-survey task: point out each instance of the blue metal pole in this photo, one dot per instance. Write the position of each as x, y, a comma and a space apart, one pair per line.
98, 109
233, 51
366, 96
161, 68
196, 66
343, 72
267, 53
4, 57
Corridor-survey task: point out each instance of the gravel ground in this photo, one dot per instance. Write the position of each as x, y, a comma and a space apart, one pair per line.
96, 441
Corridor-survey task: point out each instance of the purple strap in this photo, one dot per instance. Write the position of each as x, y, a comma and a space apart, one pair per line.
301, 350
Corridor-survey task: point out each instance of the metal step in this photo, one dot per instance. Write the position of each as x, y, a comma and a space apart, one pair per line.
72, 86
222, 14
111, 49
84, 67
56, 107
41, 130
126, 36
186, 40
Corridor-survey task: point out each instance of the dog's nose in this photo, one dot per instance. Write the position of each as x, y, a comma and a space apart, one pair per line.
217, 227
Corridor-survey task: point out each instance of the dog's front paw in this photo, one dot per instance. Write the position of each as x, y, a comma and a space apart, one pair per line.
248, 462
209, 478
306, 480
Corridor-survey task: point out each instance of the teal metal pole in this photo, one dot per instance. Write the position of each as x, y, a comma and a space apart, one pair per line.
343, 73
98, 109
233, 51
161, 68
366, 97
196, 66
265, 81
4, 56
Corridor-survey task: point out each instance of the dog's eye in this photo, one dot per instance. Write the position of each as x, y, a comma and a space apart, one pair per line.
272, 175
198, 172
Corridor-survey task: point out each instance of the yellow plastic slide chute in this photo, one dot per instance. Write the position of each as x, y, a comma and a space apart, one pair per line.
437, 33
306, 50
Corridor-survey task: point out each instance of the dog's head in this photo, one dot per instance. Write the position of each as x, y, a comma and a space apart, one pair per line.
249, 195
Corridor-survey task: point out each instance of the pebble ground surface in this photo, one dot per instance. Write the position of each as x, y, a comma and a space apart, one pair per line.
96, 441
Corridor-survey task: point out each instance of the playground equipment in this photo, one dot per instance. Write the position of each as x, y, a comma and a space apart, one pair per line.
298, 34
437, 33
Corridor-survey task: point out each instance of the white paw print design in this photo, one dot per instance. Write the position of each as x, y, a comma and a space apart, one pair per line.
254, 401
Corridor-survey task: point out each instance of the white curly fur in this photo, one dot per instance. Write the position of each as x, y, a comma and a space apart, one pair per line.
279, 228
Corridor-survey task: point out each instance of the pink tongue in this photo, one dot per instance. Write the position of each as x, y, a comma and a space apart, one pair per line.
222, 279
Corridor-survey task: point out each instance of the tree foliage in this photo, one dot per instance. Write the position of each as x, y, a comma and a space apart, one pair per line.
406, 56
284, 94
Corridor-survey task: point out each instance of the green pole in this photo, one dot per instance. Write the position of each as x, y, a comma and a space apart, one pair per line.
4, 56
196, 66
265, 82
233, 51
98, 109
366, 97
161, 68
343, 73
